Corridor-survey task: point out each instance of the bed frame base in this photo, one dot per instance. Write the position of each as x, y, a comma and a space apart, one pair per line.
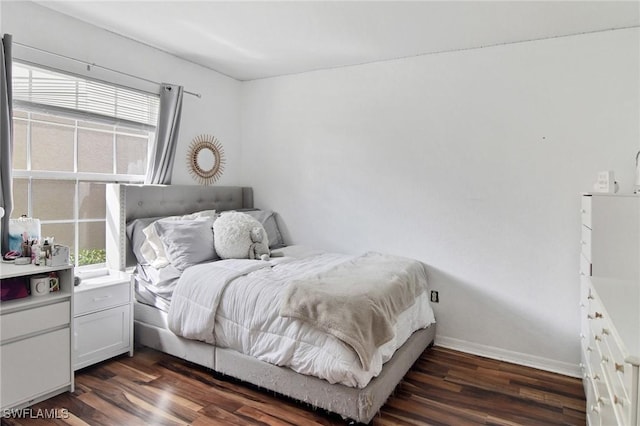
353, 403
128, 202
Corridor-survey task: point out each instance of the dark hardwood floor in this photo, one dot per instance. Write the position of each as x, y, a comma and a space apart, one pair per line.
444, 387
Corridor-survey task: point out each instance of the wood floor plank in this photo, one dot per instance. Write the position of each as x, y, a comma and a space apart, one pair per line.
444, 387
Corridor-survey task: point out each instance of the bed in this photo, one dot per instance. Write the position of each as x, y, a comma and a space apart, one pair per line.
356, 398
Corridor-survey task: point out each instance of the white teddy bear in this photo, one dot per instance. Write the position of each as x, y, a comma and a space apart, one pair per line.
258, 249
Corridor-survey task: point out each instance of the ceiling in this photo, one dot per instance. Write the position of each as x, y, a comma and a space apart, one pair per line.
252, 40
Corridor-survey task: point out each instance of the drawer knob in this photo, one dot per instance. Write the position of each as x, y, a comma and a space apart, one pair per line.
619, 367
605, 359
97, 299
595, 376
605, 331
595, 409
590, 297
619, 401
589, 349
598, 315
589, 316
598, 338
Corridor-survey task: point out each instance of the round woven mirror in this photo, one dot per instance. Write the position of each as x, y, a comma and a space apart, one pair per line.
205, 159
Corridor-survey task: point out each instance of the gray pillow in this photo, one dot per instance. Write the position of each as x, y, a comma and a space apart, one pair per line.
268, 220
187, 242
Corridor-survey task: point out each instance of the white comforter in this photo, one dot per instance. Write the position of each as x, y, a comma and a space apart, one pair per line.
235, 304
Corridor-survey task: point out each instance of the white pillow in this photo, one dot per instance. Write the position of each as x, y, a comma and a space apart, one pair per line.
232, 235
153, 250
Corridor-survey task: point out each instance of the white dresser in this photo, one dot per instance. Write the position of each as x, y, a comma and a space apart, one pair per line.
35, 340
610, 305
103, 318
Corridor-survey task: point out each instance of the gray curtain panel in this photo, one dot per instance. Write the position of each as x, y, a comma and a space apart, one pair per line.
161, 161
6, 138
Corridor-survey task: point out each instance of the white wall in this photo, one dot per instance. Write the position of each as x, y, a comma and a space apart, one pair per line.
470, 161
216, 113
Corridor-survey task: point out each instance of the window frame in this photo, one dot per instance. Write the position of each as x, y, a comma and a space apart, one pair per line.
117, 127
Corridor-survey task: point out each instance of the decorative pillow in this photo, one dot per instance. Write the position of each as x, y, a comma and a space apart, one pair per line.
137, 238
232, 235
186, 242
268, 220
152, 249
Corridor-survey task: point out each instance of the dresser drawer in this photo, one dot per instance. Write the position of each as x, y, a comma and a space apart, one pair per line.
604, 401
38, 365
586, 211
103, 297
585, 243
585, 266
34, 320
619, 373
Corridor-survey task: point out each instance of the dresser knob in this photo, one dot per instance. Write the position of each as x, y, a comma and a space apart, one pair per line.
598, 315
598, 338
595, 376
617, 400
589, 349
605, 331
619, 367
590, 297
589, 316
605, 359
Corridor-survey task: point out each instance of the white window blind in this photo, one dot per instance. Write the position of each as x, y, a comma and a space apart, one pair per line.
52, 92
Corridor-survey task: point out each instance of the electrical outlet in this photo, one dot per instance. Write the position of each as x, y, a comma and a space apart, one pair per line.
434, 296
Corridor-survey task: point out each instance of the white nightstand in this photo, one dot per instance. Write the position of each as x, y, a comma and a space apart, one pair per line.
35, 339
102, 318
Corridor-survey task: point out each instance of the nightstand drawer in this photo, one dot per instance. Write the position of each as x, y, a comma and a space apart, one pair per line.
101, 335
103, 297
34, 320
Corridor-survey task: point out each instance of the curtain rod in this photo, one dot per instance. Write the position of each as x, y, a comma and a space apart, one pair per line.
89, 65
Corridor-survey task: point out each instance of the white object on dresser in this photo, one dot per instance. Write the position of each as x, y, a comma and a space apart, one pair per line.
103, 318
610, 308
35, 340
611, 236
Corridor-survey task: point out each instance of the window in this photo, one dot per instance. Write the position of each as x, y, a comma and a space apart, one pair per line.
71, 137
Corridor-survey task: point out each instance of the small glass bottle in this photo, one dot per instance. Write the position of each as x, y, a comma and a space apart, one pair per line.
46, 252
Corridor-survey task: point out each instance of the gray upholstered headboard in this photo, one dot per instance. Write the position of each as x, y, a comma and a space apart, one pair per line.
128, 202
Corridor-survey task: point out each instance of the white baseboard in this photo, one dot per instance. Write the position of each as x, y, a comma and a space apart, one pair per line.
565, 368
